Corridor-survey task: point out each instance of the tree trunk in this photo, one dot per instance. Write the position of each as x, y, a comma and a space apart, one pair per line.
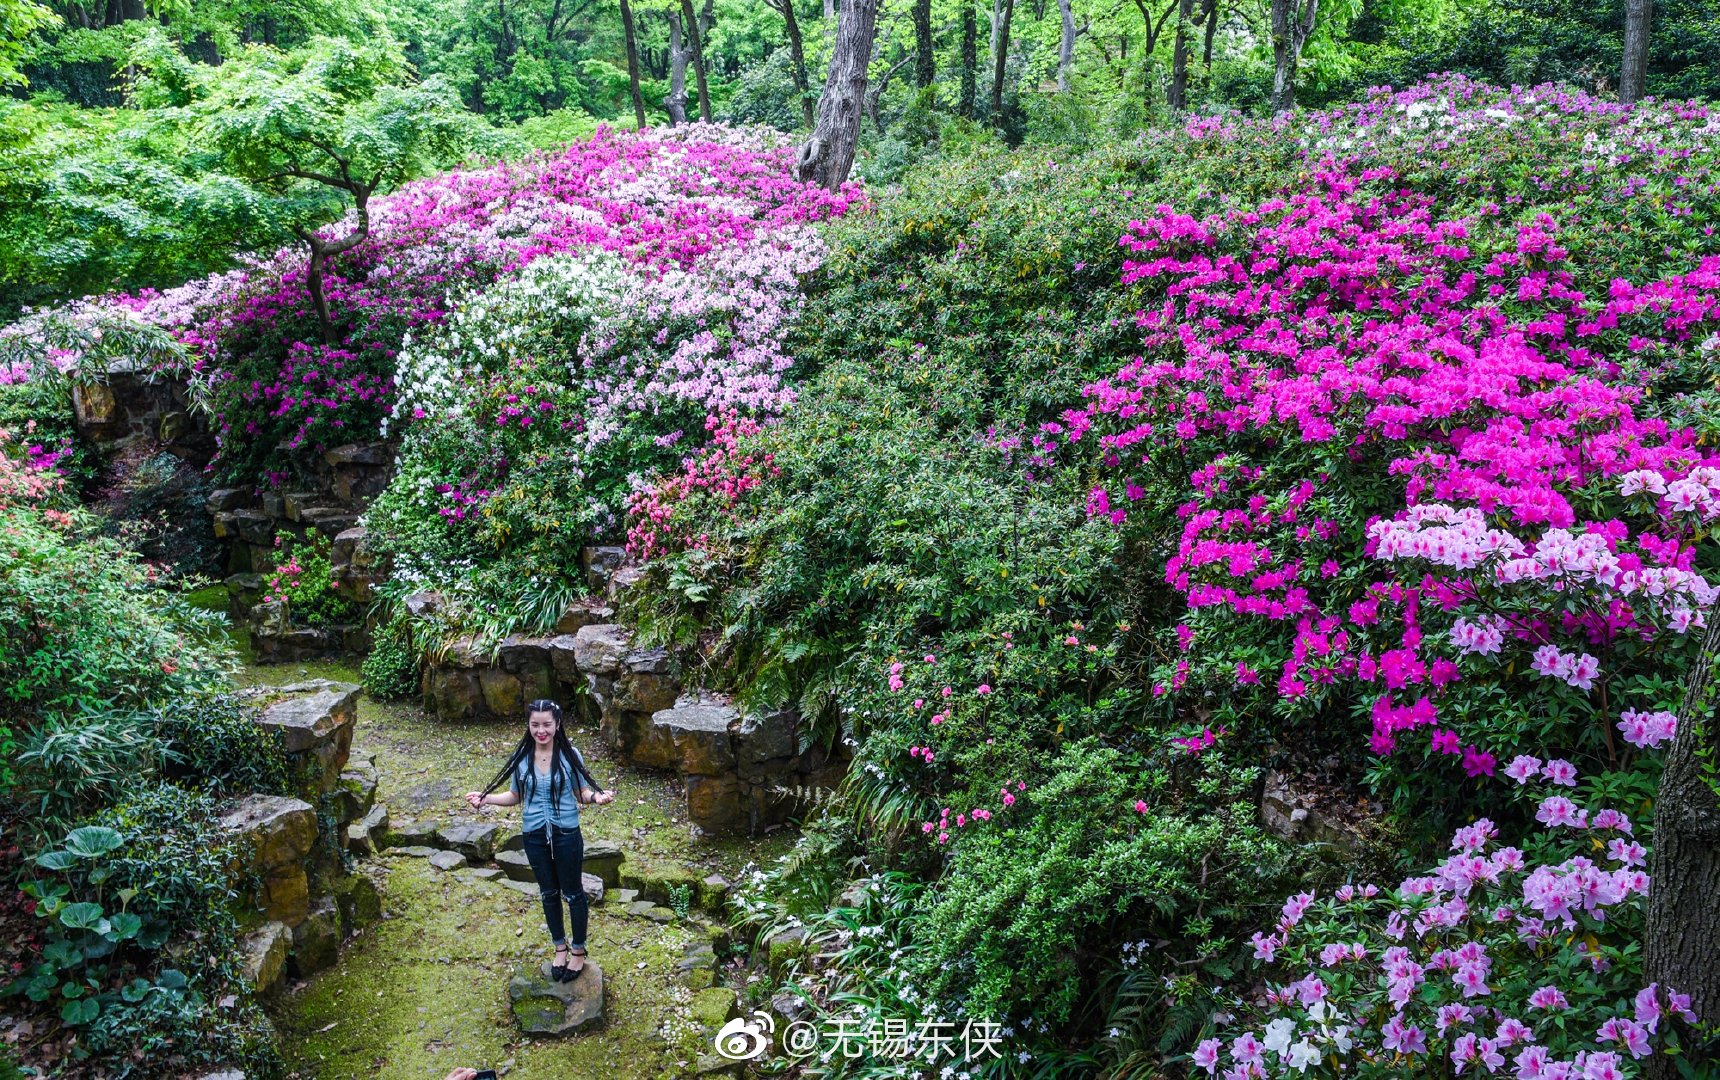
797, 53
828, 155
925, 58
830, 9
1211, 32
691, 22
323, 250
1066, 47
1290, 30
970, 61
1682, 938
1178, 98
1634, 74
1001, 39
676, 103
632, 62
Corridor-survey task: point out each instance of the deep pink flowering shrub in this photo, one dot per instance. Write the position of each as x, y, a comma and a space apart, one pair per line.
656, 200
1502, 959
1416, 457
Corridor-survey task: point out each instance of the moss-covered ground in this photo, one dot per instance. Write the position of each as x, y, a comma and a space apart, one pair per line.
425, 989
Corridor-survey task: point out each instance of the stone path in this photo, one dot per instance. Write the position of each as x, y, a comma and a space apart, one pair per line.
427, 988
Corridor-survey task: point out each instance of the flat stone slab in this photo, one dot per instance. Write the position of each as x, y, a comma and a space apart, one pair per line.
312, 715
447, 860
277, 830
542, 1006
515, 865
415, 851
476, 840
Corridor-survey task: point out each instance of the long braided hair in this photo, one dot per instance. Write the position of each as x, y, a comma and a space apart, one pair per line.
564, 760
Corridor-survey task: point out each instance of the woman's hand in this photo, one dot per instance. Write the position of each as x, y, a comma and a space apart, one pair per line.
475, 799
604, 798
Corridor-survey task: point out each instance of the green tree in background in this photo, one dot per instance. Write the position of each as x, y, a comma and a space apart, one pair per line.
326, 127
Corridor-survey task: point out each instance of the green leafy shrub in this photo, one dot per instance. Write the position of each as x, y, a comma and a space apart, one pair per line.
1083, 871
303, 576
75, 765
81, 628
391, 667
142, 881
215, 744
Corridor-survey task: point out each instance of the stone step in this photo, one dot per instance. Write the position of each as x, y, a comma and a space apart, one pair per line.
542, 1006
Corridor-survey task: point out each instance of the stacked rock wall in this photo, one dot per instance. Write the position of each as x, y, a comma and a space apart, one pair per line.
130, 407
743, 771
251, 523
298, 896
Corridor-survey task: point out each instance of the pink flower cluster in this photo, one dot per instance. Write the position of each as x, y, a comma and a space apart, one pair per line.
1451, 948
1347, 338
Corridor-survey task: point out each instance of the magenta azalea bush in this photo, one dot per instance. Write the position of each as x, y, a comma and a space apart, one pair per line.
658, 202
1419, 467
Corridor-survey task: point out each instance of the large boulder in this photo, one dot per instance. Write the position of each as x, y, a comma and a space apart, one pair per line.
598, 650
315, 721
543, 1006
697, 736
603, 858
644, 682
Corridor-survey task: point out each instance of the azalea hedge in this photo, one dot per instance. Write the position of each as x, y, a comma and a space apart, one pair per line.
1387, 427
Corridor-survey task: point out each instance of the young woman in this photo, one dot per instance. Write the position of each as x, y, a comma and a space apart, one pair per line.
548, 776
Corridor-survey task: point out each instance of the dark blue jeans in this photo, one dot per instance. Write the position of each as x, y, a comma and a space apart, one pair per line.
557, 865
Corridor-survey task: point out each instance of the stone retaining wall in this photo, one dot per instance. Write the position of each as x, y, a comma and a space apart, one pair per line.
250, 523
130, 407
298, 896
744, 772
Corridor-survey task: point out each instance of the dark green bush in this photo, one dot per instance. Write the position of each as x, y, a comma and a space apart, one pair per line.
391, 668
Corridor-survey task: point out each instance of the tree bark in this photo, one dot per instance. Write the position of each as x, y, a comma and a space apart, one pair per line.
1178, 97
632, 62
830, 9
1000, 41
925, 58
1211, 32
691, 22
1682, 938
828, 155
323, 250
1066, 47
1292, 23
970, 61
797, 53
676, 103
1638, 15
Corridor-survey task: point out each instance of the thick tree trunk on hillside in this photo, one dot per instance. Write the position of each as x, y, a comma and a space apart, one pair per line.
970, 61
1633, 76
1178, 96
1292, 23
1682, 938
828, 155
1000, 54
1066, 45
676, 103
797, 54
691, 22
925, 56
632, 62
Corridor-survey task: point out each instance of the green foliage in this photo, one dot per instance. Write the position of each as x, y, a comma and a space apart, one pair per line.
304, 577
81, 628
74, 765
158, 506
143, 881
1083, 871
18, 20
215, 744
38, 412
391, 667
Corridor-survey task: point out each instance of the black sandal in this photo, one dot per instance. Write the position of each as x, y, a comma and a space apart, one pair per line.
570, 973
558, 972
